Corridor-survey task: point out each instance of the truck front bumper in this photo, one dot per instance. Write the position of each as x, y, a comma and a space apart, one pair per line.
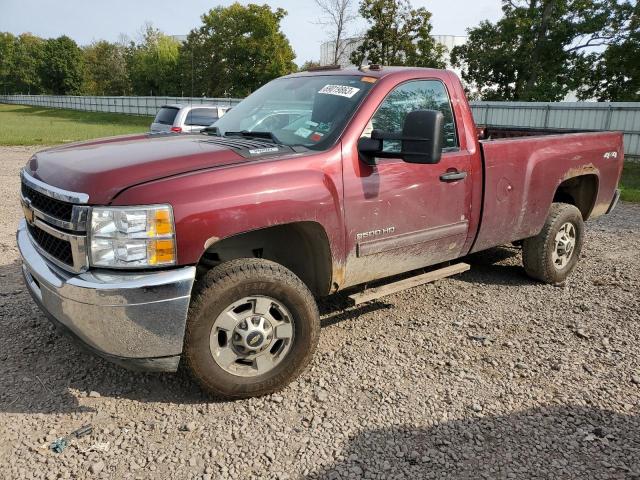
136, 320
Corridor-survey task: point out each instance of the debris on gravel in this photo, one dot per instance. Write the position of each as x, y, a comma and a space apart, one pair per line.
482, 375
581, 333
96, 467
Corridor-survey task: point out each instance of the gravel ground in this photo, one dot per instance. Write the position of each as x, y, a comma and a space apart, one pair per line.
484, 375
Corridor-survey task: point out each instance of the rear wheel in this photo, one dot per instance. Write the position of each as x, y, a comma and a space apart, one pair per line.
252, 328
553, 254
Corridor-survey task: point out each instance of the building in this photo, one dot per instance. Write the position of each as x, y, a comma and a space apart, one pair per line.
179, 38
349, 45
450, 41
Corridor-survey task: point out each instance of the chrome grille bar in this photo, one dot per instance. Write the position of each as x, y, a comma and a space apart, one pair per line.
71, 230
53, 192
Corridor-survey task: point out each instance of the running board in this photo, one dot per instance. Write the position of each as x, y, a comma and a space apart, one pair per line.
377, 292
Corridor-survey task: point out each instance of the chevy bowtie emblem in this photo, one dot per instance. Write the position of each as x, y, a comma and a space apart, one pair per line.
28, 212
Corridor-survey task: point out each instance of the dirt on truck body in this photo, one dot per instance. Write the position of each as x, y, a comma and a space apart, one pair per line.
210, 249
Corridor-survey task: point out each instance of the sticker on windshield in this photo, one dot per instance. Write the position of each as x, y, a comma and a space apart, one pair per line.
303, 132
339, 90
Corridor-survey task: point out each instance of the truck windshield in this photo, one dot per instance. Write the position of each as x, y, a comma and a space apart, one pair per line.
310, 111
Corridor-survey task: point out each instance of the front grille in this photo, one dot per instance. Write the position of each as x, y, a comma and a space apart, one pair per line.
57, 248
50, 206
56, 222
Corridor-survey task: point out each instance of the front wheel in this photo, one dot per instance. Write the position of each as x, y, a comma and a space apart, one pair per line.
552, 255
252, 329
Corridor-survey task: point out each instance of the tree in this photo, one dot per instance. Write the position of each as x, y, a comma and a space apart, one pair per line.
614, 75
153, 64
236, 50
61, 67
26, 65
534, 52
106, 69
398, 35
308, 64
337, 16
7, 54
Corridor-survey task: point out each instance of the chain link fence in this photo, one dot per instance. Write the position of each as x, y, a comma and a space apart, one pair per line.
129, 105
619, 116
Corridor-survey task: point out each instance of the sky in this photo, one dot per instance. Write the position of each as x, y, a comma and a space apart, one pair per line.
88, 20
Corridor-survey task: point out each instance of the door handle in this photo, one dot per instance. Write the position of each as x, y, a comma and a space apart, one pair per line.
453, 176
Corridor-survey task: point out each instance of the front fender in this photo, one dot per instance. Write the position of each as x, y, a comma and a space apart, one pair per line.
214, 204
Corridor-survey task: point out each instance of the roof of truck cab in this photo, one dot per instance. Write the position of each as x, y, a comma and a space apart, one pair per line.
382, 72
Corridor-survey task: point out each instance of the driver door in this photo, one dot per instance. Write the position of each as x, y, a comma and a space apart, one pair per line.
402, 216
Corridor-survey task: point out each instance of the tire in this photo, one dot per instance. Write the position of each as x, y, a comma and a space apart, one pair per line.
538, 252
291, 304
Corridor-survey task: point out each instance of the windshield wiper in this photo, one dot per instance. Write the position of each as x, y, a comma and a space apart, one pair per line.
248, 134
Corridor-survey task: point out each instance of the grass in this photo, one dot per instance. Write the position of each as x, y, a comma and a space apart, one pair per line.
630, 182
24, 125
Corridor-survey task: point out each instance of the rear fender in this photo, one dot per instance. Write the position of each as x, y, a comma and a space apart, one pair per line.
523, 177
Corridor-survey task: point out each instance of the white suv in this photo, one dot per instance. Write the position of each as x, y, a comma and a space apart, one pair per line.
186, 118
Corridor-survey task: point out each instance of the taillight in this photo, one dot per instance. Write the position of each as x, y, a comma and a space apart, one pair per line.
176, 129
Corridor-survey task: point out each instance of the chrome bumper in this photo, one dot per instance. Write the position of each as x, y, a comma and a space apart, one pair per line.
137, 320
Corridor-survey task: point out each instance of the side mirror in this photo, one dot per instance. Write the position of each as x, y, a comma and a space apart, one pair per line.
369, 149
422, 136
421, 139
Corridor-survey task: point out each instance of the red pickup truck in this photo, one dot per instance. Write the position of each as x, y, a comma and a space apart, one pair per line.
208, 249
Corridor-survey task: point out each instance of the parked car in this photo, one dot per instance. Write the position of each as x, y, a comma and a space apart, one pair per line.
209, 250
186, 118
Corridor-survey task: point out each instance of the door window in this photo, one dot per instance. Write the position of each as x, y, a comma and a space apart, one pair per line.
410, 96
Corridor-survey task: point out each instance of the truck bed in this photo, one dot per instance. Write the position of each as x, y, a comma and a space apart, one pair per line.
525, 170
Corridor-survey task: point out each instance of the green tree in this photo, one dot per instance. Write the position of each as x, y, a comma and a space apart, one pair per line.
614, 75
398, 35
534, 52
153, 64
61, 68
307, 65
7, 57
236, 50
26, 65
105, 69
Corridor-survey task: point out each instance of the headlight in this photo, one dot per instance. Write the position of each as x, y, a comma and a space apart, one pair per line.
132, 237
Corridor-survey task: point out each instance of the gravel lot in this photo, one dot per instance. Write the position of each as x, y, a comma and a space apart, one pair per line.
484, 375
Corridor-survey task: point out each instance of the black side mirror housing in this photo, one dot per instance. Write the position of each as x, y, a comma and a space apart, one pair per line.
369, 148
422, 136
421, 139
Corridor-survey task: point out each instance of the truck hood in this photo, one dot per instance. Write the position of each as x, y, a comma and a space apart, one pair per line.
103, 168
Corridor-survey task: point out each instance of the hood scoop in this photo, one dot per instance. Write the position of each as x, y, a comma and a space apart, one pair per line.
249, 147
